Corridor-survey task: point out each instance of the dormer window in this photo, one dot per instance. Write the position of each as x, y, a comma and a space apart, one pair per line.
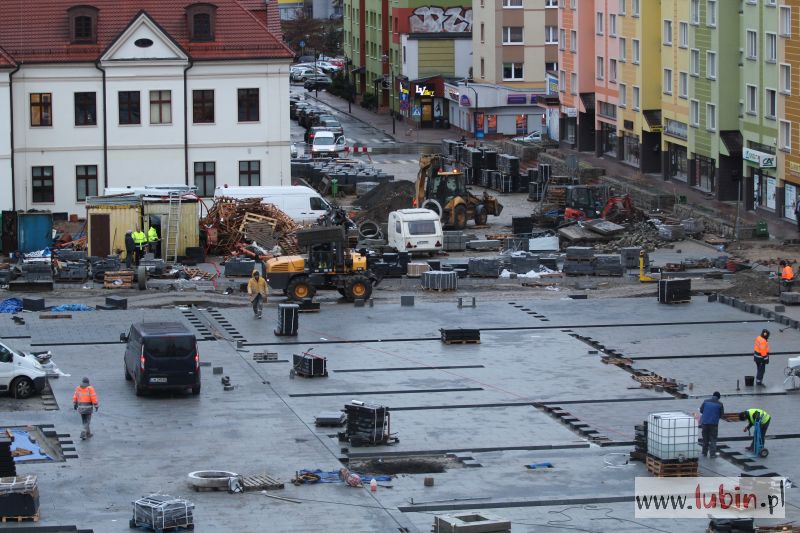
201, 19
83, 24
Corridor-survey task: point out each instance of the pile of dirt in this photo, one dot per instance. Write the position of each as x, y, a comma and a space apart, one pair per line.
406, 465
387, 197
642, 234
753, 286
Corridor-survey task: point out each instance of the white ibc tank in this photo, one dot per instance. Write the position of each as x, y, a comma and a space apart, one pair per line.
672, 435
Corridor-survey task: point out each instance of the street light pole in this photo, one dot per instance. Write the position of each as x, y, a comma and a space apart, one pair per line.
474, 121
391, 103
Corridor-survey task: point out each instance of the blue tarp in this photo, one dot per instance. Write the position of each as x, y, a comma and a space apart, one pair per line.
71, 307
333, 477
23, 440
11, 305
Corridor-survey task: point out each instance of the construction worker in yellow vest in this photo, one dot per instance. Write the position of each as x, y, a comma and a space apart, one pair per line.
140, 241
152, 241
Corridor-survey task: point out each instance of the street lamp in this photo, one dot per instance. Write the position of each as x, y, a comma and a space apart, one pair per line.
385, 60
474, 128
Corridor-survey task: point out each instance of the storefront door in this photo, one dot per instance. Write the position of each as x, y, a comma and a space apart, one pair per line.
789, 201
678, 162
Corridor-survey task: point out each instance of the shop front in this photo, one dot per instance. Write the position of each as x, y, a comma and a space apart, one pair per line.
677, 156
569, 129
428, 105
632, 150
704, 174
608, 139
791, 190
762, 166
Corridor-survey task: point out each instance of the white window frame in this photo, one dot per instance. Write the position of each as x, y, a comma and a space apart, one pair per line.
694, 62
694, 113
770, 103
512, 63
621, 11
622, 99
635, 8
711, 117
711, 14
562, 81
623, 53
612, 70
666, 81
666, 33
695, 12
562, 39
636, 94
573, 82
551, 3
507, 36
785, 136
751, 44
785, 21
600, 64
612, 25
550, 35
513, 4
751, 99
598, 26
770, 47
683, 34
636, 51
683, 85
711, 65
785, 75
573, 41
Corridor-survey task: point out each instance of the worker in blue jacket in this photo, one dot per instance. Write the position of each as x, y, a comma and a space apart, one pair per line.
711, 410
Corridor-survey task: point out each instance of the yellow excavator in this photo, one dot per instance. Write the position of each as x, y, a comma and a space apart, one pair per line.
445, 192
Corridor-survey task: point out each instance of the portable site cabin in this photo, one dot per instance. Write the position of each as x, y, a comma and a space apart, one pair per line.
110, 217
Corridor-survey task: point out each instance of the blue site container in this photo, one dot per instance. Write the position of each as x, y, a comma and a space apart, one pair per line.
34, 231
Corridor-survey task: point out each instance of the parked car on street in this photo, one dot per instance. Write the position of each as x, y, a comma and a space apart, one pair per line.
327, 144
312, 132
333, 125
295, 107
533, 137
303, 117
317, 119
301, 75
316, 83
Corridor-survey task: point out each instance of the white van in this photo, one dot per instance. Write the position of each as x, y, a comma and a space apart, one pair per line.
21, 374
415, 230
303, 204
326, 143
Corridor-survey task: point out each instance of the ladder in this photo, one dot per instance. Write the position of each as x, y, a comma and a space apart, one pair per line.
172, 233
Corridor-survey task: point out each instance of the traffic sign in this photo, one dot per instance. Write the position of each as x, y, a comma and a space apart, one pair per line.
416, 111
302, 44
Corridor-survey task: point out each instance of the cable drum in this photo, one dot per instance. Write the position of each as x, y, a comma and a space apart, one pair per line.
369, 229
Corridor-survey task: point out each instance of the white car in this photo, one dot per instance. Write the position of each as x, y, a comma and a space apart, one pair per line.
21, 374
293, 151
305, 73
533, 137
326, 143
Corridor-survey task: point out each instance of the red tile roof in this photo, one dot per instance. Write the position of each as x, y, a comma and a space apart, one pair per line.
5, 60
38, 32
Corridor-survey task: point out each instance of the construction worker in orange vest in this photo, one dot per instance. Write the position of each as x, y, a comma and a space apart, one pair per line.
84, 400
761, 355
787, 277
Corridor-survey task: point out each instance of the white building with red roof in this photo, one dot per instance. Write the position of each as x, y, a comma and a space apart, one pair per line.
102, 93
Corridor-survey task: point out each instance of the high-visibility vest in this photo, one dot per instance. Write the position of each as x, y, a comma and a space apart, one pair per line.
758, 414
85, 397
787, 274
761, 346
139, 238
152, 234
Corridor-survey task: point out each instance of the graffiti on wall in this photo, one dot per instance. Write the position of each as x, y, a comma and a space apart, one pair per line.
431, 19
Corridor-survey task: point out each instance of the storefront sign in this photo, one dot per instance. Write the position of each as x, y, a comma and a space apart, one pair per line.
404, 93
464, 101
571, 112
794, 168
534, 99
517, 99
762, 159
552, 85
423, 90
675, 129
452, 94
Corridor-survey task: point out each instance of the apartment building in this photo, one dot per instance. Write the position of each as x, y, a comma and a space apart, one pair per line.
137, 93
675, 89
609, 92
576, 75
789, 104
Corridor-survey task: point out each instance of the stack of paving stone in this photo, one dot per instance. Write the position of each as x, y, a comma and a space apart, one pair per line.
580, 261
471, 523
101, 265
19, 497
487, 244
454, 241
439, 280
416, 270
524, 262
367, 424
630, 256
608, 265
7, 467
671, 232
160, 511
639, 452
484, 267
790, 298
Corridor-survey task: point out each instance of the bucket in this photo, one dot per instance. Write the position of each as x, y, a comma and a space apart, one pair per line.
749, 380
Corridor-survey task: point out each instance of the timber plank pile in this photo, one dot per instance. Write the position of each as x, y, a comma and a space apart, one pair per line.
233, 223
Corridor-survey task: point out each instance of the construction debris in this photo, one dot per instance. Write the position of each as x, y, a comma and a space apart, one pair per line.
232, 223
383, 199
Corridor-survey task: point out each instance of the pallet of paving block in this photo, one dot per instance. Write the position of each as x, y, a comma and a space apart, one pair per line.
778, 528
660, 468
260, 482
123, 276
462, 341
31, 518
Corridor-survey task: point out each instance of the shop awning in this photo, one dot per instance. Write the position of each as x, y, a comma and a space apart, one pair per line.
732, 141
652, 118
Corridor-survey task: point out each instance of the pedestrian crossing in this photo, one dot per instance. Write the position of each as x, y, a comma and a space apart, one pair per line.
374, 141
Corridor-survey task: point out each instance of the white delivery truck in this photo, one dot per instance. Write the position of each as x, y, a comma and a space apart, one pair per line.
416, 231
303, 204
21, 374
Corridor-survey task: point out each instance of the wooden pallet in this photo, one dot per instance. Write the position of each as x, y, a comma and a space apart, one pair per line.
193, 272
663, 469
257, 219
125, 276
265, 356
33, 518
462, 341
260, 482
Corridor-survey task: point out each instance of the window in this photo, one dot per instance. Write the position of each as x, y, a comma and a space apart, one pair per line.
83, 24
635, 45
83, 29
770, 103
85, 181
771, 47
751, 104
248, 105
695, 10
786, 79
483, 35
203, 106
562, 81
785, 21
512, 3
621, 9
599, 25
785, 135
694, 62
711, 14
683, 84
129, 110
573, 41
512, 35
512, 71
752, 44
551, 34
160, 107
635, 8
572, 4
711, 117
623, 54
683, 30
636, 97
573, 83
612, 70
667, 81
711, 65
42, 185
623, 95
600, 70
85, 109
551, 3
612, 25
249, 173
41, 109
201, 19
694, 113
205, 178
483, 68
667, 37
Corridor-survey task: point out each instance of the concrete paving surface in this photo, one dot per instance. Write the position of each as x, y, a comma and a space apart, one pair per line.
488, 404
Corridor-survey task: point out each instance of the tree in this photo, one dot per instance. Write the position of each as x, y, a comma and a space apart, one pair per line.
322, 36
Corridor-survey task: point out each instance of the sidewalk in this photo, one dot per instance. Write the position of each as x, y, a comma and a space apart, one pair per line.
405, 131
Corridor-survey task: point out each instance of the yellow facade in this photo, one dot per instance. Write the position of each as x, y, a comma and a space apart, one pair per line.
675, 57
122, 218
